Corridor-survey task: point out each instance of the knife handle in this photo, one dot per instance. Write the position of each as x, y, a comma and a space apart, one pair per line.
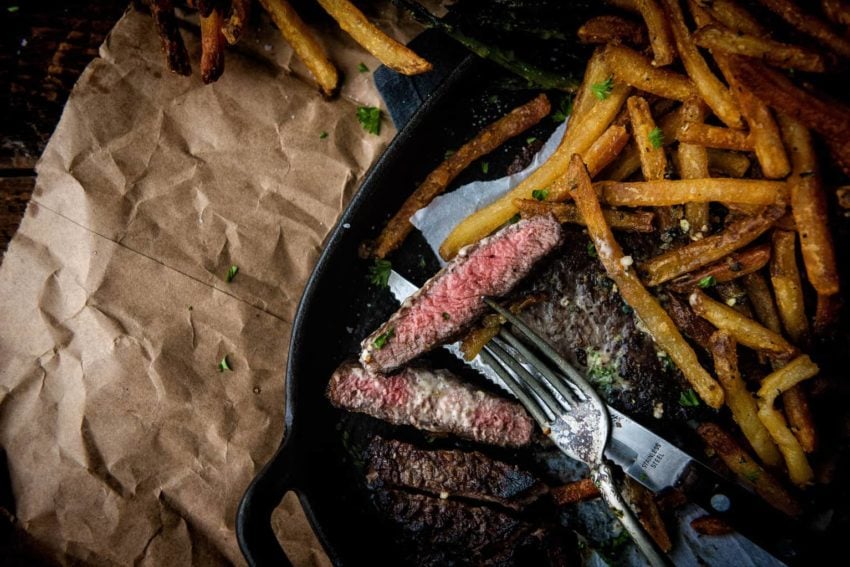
786, 538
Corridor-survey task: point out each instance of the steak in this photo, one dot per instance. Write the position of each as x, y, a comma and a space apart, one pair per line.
450, 473
441, 532
435, 401
451, 300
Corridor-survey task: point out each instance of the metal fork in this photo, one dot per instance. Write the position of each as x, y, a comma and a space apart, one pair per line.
569, 411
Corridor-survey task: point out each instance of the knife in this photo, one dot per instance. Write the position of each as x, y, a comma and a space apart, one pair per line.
660, 465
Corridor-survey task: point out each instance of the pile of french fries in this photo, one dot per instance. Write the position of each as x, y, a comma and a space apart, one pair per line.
688, 123
223, 23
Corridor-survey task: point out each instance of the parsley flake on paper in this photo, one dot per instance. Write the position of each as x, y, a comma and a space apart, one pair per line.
379, 273
362, 68
540, 194
382, 339
224, 365
707, 281
231, 273
656, 137
370, 118
689, 398
603, 90
565, 108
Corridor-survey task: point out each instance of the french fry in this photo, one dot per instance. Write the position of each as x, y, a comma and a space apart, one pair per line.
490, 325
715, 94
212, 47
660, 39
584, 131
494, 135
808, 24
176, 56
693, 326
787, 287
693, 164
733, 266
826, 314
629, 160
799, 369
808, 204
603, 151
795, 402
607, 29
596, 72
764, 133
636, 70
653, 161
668, 192
239, 14
743, 329
711, 526
715, 137
734, 296
574, 492
748, 470
631, 221
732, 15
697, 254
738, 398
724, 40
304, 43
758, 292
837, 11
843, 197
839, 149
642, 501
387, 50
657, 321
727, 163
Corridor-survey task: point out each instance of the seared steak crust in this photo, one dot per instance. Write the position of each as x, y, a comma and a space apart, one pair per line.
451, 300
467, 474
431, 400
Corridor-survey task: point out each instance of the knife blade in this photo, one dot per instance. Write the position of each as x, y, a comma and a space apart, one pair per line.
660, 465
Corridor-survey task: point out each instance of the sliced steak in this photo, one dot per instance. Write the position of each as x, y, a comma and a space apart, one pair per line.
450, 301
435, 401
450, 473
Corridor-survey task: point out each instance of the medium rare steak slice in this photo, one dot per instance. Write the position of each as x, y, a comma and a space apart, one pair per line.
451, 300
431, 400
450, 473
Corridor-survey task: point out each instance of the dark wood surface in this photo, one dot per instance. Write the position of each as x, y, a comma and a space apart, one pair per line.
44, 46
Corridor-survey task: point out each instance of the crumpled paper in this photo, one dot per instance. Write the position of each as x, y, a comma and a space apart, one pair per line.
126, 444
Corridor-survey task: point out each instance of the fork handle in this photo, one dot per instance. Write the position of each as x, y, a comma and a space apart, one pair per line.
601, 476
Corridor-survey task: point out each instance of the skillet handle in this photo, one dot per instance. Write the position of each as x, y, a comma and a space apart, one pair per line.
254, 531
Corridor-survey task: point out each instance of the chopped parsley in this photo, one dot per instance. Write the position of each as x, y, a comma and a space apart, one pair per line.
379, 272
591, 250
514, 219
231, 273
323, 135
600, 371
448, 154
446, 316
752, 476
362, 68
224, 365
382, 339
688, 399
656, 137
531, 139
565, 108
13, 9
540, 194
707, 281
370, 118
603, 90
485, 166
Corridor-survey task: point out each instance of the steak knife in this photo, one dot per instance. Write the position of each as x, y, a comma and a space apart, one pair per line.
660, 466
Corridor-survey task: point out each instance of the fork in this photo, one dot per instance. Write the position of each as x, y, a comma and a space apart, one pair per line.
569, 412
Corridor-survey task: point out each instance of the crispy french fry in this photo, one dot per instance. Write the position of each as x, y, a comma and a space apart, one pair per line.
668, 192
212, 47
633, 68
787, 286
660, 39
724, 40
711, 526
733, 266
739, 400
748, 470
795, 402
693, 326
596, 72
842, 195
839, 149
808, 24
709, 86
633, 221
629, 160
735, 236
490, 325
837, 11
808, 204
491, 137
574, 492
304, 43
642, 501
799, 369
693, 164
734, 296
176, 56
653, 161
826, 314
584, 131
727, 163
657, 321
239, 14
732, 15
607, 29
742, 328
715, 137
387, 50
758, 292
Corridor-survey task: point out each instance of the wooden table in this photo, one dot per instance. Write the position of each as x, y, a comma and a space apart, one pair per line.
44, 46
